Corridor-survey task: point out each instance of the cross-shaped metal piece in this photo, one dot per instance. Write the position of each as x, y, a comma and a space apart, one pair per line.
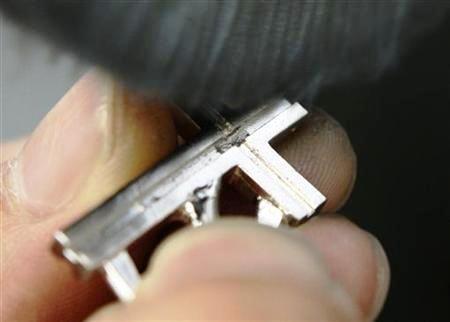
188, 183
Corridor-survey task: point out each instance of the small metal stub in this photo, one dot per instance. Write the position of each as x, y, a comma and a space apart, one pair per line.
189, 184
268, 214
122, 276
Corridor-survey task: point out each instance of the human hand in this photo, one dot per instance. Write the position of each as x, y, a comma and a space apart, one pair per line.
95, 140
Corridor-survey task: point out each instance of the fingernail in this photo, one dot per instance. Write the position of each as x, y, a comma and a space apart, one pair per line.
383, 278
63, 149
235, 250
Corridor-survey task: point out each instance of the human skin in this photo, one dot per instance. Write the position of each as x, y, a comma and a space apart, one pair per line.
98, 138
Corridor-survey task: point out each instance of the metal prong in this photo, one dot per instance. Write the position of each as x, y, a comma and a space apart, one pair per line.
268, 214
188, 210
204, 206
122, 276
209, 198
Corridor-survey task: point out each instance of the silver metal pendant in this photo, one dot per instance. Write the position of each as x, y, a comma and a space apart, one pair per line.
187, 185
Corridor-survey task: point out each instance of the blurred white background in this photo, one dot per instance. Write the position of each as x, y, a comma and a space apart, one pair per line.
34, 76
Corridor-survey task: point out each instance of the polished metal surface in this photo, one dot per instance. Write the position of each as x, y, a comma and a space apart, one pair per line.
188, 184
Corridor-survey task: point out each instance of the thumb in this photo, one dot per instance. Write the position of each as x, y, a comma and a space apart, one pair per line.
95, 140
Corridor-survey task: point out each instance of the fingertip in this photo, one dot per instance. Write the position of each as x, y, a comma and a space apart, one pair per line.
139, 133
58, 156
94, 141
237, 270
383, 279
321, 151
11, 148
97, 138
354, 258
231, 247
